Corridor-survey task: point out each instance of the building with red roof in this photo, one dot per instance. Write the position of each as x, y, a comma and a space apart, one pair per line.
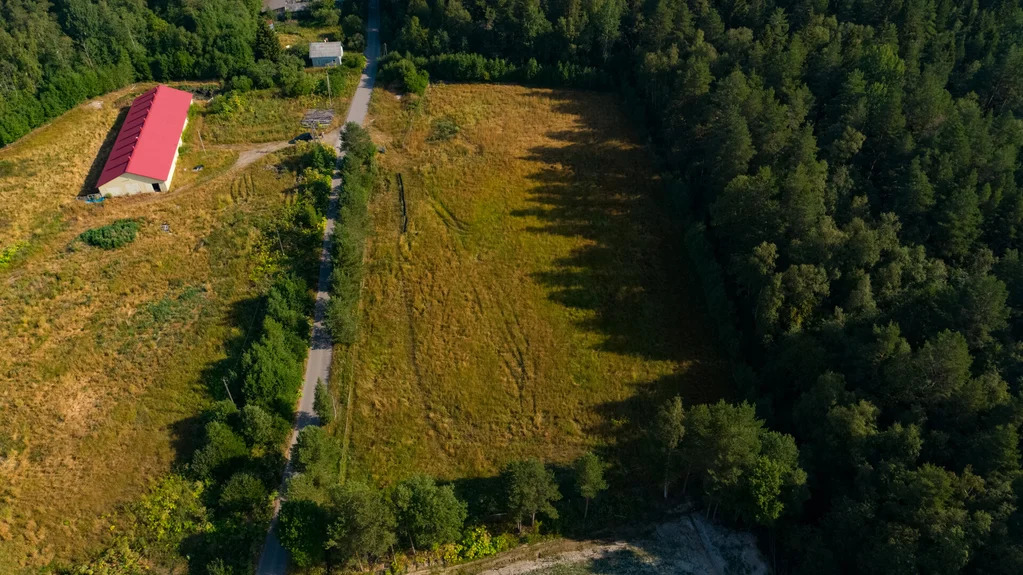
146, 149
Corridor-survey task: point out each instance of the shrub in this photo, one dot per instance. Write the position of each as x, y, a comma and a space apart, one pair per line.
245, 494
292, 79
303, 531
7, 254
403, 73
357, 145
262, 74
443, 129
223, 446
319, 157
323, 405
354, 61
469, 68
259, 427
223, 411
273, 372
241, 83
477, 543
428, 515
112, 236
170, 512
225, 104
118, 559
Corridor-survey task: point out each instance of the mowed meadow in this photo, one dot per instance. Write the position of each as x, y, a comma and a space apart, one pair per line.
539, 303
106, 357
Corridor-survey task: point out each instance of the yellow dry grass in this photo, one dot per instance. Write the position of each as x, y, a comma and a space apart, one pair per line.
104, 352
536, 295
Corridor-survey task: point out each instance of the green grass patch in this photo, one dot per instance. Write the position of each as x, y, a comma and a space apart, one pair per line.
8, 254
112, 236
443, 129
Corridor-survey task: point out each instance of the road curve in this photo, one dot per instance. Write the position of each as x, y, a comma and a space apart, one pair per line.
274, 559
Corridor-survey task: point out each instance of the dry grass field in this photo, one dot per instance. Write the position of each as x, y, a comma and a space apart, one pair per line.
539, 302
106, 355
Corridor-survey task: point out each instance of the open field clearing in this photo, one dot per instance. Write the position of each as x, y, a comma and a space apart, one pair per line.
536, 306
107, 354
261, 116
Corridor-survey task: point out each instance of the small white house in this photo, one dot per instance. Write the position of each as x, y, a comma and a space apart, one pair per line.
146, 149
326, 53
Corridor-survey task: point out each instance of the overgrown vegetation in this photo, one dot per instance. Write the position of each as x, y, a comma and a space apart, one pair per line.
111, 236
849, 176
358, 174
8, 254
216, 508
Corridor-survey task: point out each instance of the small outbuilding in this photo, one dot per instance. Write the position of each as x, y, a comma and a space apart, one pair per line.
326, 53
146, 149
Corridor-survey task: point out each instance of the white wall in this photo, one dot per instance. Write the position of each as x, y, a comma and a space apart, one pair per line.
130, 184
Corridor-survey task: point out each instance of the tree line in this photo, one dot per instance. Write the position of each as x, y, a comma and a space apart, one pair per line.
848, 173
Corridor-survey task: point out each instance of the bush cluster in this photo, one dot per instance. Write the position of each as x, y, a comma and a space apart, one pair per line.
111, 236
402, 72
358, 174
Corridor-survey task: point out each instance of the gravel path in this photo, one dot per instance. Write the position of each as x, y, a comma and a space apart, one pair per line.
274, 559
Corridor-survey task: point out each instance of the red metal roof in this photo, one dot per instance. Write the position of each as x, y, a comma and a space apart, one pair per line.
148, 140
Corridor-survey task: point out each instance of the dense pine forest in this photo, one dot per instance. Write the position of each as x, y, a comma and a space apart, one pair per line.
849, 172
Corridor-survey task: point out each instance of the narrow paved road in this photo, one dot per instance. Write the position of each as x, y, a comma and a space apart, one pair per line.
274, 559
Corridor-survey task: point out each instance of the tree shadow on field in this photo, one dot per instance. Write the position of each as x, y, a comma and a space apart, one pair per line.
633, 278
222, 377
633, 273
89, 185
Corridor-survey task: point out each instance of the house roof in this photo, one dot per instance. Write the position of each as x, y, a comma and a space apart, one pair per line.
289, 5
325, 50
148, 140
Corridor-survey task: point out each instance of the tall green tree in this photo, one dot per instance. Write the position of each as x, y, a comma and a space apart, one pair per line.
530, 489
589, 478
362, 524
427, 514
669, 430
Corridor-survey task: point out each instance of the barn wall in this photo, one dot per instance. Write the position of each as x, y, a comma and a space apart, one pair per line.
128, 185
174, 163
321, 62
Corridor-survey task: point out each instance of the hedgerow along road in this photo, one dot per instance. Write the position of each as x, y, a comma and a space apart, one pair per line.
274, 558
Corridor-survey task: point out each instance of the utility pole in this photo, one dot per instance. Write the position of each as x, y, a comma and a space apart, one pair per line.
329, 96
201, 143
231, 397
